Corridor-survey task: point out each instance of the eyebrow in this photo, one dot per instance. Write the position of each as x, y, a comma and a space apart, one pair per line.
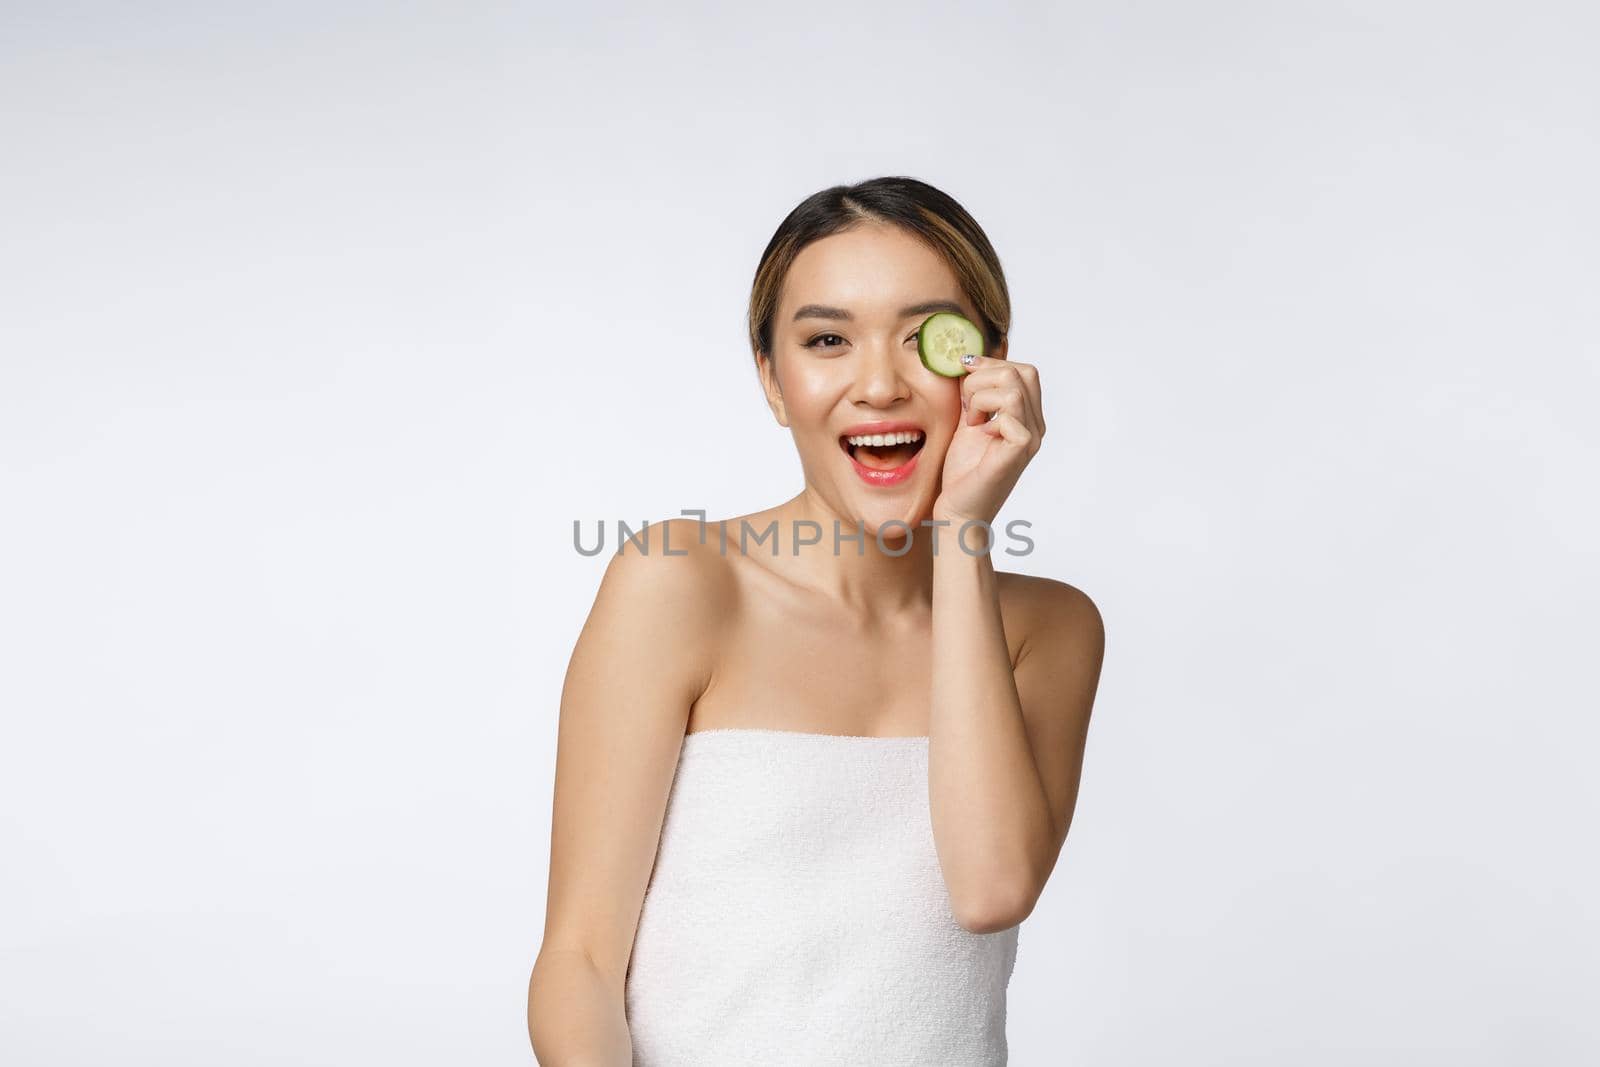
927, 307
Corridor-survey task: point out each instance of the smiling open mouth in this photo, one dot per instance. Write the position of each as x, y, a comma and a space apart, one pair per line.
883, 452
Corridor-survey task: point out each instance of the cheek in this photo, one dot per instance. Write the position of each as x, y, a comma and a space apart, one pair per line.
949, 403
810, 395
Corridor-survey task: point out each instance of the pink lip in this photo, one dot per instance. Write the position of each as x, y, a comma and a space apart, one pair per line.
894, 476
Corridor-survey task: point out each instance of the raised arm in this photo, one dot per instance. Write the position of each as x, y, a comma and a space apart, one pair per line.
641, 660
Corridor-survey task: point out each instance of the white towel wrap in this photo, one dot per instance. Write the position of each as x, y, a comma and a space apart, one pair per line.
797, 914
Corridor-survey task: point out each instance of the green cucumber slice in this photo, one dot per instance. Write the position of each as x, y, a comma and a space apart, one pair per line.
944, 338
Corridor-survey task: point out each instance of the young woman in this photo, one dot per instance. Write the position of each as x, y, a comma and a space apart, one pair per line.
815, 764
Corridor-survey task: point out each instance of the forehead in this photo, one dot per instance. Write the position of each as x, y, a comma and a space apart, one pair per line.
871, 269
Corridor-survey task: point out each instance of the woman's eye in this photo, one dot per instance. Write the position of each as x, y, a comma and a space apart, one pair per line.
815, 341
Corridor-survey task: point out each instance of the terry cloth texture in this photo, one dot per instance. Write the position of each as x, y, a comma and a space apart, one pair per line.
797, 915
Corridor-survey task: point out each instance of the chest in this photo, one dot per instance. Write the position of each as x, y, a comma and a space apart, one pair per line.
829, 679
784, 662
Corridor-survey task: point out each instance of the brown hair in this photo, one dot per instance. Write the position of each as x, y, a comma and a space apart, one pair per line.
913, 205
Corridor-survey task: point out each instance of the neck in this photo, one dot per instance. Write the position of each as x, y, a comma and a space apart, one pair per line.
863, 577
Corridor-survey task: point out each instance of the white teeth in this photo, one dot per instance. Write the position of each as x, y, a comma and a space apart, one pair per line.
877, 439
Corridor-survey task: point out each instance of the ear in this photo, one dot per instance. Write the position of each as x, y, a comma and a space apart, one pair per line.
769, 385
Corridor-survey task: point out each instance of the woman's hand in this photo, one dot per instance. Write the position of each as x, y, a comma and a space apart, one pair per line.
986, 457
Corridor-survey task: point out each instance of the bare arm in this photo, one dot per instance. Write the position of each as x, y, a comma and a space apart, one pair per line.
1006, 744
641, 660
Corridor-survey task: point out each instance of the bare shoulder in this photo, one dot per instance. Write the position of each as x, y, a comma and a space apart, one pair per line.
669, 591
1047, 613
673, 568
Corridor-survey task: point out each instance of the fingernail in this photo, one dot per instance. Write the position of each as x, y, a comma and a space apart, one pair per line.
968, 359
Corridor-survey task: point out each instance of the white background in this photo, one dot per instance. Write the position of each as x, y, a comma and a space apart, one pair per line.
322, 322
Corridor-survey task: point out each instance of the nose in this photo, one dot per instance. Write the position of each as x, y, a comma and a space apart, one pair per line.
880, 380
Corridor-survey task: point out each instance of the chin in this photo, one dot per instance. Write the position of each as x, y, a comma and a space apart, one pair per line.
888, 516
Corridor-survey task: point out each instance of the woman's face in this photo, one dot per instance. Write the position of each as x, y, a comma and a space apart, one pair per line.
845, 357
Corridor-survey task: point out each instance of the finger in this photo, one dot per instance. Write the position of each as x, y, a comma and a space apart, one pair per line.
1025, 377
989, 372
1007, 397
976, 381
979, 371
1030, 381
975, 363
1011, 429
